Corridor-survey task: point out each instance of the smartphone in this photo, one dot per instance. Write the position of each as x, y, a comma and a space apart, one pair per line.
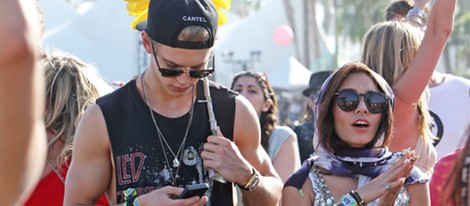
193, 190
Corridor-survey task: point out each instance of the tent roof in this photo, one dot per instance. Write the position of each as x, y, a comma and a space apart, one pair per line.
290, 75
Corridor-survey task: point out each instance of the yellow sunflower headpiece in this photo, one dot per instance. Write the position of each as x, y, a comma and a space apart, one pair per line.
139, 9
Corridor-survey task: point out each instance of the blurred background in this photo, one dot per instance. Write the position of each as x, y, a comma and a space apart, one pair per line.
288, 39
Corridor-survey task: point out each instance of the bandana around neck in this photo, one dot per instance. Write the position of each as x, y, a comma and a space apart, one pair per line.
367, 162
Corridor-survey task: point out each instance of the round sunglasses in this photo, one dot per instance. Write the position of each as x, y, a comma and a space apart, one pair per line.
348, 100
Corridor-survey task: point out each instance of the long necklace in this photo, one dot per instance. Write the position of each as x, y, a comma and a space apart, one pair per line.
177, 157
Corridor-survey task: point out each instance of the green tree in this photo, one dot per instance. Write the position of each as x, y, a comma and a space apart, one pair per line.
355, 17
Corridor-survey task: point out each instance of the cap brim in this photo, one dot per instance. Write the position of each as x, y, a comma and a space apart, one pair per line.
307, 92
141, 26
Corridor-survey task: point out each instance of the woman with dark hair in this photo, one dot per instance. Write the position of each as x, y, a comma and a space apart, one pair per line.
280, 142
352, 164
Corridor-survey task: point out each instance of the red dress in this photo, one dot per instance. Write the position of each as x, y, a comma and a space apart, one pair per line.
442, 171
50, 191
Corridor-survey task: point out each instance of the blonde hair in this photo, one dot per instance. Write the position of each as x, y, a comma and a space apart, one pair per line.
71, 86
389, 49
194, 33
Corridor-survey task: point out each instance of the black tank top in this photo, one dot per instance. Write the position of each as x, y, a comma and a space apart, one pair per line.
137, 152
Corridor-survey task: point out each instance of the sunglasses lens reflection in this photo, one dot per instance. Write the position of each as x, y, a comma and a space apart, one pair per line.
347, 100
376, 103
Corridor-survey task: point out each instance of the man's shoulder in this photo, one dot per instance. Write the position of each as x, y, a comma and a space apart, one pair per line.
115, 94
216, 87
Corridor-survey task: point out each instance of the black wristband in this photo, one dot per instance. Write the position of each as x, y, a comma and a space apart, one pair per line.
357, 198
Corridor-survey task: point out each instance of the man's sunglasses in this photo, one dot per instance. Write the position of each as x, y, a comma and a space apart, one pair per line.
174, 72
348, 100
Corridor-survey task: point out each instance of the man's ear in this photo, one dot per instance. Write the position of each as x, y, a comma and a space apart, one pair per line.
146, 41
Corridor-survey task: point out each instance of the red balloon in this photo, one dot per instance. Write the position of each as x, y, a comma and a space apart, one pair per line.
283, 35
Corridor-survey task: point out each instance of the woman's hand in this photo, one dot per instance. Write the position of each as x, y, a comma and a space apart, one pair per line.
387, 185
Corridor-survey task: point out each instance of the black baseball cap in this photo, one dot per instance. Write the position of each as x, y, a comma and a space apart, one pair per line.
315, 82
167, 18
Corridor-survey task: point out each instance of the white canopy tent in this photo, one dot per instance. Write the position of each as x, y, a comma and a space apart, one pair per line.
290, 75
101, 36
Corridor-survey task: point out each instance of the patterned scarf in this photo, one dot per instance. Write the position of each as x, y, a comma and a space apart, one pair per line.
366, 162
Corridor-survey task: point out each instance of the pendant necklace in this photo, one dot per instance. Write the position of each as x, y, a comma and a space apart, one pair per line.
178, 155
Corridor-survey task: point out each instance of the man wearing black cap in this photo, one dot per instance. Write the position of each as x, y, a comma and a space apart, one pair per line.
146, 140
306, 130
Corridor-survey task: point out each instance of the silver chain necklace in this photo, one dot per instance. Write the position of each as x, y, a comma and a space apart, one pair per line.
56, 171
177, 157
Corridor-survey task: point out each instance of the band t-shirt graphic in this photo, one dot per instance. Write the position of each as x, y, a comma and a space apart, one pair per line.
137, 151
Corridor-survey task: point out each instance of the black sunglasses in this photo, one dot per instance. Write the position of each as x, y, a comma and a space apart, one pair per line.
348, 100
174, 72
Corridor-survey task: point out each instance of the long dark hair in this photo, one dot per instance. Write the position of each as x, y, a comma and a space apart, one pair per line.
268, 119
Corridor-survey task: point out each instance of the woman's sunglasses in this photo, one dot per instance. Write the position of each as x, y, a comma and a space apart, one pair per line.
348, 100
174, 72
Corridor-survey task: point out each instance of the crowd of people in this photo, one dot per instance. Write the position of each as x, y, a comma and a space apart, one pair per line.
386, 130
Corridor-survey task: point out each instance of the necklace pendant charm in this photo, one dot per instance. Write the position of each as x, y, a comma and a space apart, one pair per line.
176, 163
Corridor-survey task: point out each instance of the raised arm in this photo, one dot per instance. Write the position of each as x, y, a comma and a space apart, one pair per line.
439, 27
90, 172
22, 133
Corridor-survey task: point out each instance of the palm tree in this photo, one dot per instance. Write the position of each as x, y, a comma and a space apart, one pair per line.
290, 20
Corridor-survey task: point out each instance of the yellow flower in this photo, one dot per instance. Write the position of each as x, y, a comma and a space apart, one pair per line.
139, 9
224, 4
221, 6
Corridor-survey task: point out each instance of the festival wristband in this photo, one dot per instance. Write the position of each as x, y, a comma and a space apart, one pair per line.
347, 200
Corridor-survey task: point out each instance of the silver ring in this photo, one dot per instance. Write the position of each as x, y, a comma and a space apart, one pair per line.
388, 187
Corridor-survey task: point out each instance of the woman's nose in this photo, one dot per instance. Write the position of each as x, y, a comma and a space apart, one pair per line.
362, 107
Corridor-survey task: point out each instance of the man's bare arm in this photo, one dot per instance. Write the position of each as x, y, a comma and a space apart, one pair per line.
247, 137
90, 172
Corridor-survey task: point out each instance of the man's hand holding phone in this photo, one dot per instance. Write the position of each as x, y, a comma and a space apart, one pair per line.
193, 190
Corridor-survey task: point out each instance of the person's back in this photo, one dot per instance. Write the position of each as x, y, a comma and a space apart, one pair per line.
22, 136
